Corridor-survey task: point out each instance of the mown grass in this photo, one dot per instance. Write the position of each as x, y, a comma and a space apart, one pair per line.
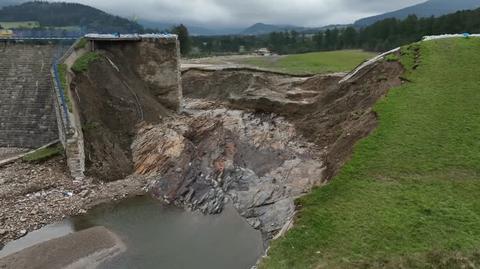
62, 72
44, 154
312, 63
409, 197
82, 63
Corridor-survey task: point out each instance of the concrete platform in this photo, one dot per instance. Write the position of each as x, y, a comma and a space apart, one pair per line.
84, 249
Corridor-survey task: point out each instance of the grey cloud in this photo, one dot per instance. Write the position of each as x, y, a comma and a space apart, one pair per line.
230, 13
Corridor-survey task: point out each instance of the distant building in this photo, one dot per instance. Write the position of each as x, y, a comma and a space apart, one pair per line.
263, 52
6, 33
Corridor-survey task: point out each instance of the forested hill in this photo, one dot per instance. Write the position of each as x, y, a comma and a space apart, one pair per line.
380, 36
68, 14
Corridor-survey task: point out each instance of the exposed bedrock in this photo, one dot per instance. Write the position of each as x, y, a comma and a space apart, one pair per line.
212, 156
258, 140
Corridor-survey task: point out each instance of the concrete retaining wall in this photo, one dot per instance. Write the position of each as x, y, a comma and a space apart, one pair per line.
69, 126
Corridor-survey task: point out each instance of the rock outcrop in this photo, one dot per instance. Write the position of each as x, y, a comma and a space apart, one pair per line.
259, 140
213, 155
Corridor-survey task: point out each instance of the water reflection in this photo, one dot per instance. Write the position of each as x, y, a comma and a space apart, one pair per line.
159, 236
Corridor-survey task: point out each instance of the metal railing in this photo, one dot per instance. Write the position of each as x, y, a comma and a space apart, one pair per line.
61, 92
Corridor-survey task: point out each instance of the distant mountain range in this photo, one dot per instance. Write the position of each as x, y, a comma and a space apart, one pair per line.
262, 28
426, 9
256, 29
193, 29
92, 19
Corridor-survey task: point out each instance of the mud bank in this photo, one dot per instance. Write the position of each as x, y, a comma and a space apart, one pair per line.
85, 249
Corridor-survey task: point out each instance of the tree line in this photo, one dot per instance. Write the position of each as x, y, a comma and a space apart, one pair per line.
381, 36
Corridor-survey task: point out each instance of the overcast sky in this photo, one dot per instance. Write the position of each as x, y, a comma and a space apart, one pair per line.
240, 13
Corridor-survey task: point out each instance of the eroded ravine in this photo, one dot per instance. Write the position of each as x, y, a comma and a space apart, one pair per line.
257, 139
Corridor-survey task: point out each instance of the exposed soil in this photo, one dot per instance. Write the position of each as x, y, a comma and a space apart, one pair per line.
332, 115
259, 139
113, 100
256, 139
33, 195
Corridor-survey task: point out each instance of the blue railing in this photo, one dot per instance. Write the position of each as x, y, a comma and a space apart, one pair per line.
63, 100
56, 76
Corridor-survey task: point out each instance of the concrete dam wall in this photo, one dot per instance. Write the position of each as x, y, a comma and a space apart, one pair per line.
27, 115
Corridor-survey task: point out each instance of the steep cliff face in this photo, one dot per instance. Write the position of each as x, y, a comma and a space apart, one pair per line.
155, 62
128, 84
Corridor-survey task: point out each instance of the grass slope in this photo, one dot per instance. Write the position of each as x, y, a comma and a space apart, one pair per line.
409, 198
316, 62
82, 63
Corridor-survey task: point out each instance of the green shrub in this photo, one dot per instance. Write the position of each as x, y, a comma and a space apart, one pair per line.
82, 43
82, 63
392, 58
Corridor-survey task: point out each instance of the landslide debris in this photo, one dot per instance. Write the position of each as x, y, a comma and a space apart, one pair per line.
331, 115
255, 139
213, 155
259, 140
36, 194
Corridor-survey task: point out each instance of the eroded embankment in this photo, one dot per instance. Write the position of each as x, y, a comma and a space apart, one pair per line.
113, 99
329, 114
259, 140
255, 139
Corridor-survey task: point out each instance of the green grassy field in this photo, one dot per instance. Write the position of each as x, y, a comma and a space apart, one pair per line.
409, 198
19, 24
311, 63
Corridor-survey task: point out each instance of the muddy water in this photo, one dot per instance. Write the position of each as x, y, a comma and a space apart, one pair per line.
159, 236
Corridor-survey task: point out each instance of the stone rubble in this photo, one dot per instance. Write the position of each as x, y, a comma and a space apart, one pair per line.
34, 195
212, 155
